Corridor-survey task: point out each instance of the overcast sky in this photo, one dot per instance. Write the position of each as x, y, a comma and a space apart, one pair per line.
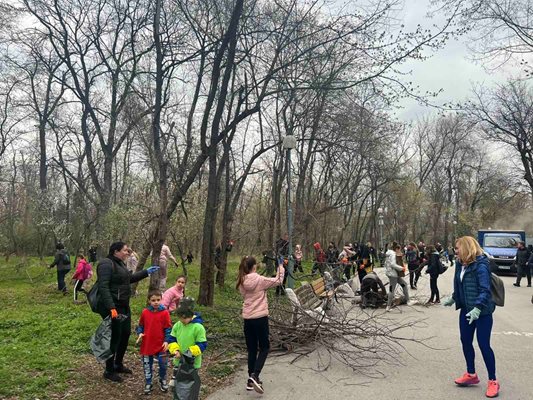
451, 68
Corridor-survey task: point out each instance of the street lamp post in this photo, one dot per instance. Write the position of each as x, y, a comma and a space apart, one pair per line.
380, 223
454, 230
289, 143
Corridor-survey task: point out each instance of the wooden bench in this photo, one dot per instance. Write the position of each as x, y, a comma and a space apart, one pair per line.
305, 303
319, 289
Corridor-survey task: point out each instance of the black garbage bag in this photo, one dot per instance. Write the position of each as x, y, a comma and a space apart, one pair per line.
187, 379
101, 341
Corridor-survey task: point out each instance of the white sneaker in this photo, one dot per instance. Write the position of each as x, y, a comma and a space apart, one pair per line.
411, 303
388, 309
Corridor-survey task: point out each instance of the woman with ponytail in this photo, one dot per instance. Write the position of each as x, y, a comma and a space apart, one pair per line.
252, 287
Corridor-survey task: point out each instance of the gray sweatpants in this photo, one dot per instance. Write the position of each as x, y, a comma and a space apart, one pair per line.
392, 288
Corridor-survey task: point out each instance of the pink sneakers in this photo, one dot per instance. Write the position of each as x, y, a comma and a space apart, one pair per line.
468, 379
493, 389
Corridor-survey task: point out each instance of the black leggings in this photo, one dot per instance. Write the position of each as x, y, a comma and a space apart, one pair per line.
414, 275
256, 335
120, 334
78, 287
434, 288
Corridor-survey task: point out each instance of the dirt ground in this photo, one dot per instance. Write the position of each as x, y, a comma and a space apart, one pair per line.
95, 387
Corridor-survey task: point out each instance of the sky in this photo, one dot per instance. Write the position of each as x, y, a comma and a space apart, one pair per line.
451, 68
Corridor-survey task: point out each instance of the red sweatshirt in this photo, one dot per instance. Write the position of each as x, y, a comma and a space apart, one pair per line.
156, 326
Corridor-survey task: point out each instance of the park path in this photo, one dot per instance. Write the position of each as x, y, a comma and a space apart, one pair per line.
427, 374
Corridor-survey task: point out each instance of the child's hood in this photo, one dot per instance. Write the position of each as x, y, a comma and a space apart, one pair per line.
197, 319
161, 307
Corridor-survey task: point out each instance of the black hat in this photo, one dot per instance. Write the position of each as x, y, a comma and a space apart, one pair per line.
185, 307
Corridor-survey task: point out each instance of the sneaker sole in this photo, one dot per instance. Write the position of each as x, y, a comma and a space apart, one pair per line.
257, 387
466, 384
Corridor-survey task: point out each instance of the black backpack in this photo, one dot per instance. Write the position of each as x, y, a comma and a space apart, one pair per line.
497, 290
93, 295
66, 258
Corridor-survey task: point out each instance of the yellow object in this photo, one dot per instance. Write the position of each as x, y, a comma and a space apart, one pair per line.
195, 350
173, 348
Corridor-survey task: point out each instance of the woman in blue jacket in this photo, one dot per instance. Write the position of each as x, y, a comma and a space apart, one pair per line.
471, 295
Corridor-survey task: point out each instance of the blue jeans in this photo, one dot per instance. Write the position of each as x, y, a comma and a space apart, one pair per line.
148, 363
483, 328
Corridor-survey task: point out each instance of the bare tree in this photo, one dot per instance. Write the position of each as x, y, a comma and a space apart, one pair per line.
505, 115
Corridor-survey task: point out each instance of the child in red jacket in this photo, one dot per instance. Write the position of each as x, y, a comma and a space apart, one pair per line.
154, 330
83, 272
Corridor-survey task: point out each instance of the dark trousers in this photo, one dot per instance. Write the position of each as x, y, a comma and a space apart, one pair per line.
61, 285
280, 289
483, 328
347, 269
524, 270
414, 276
298, 266
434, 288
361, 272
78, 287
120, 334
257, 343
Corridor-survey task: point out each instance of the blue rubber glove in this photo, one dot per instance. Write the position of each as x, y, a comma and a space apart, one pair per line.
280, 260
448, 302
473, 315
152, 269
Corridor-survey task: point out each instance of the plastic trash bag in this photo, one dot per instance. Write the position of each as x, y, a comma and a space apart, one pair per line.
187, 379
101, 341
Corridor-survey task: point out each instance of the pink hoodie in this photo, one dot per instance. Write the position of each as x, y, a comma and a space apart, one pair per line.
171, 298
253, 290
83, 270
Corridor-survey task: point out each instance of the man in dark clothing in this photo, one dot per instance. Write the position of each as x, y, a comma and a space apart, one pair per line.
364, 259
523, 263
373, 292
282, 246
62, 261
93, 254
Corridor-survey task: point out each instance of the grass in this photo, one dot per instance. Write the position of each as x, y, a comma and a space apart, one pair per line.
44, 336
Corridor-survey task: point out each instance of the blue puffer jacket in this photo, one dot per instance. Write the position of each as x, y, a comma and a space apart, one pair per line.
474, 289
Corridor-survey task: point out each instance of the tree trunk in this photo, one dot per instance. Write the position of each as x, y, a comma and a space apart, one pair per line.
207, 282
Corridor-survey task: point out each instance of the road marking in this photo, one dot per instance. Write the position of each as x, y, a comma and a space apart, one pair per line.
511, 333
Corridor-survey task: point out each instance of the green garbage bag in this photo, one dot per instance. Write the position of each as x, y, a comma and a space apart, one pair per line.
101, 341
187, 379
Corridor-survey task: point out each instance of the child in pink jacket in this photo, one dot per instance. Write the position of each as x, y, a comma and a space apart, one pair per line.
252, 287
172, 296
83, 272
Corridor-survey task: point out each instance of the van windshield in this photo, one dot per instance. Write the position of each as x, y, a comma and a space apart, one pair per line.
502, 241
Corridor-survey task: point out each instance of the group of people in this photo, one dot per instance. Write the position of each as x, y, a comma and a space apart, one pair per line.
471, 295
351, 259
185, 340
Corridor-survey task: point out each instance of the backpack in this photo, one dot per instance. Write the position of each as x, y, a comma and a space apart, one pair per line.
411, 257
66, 258
93, 296
442, 267
497, 290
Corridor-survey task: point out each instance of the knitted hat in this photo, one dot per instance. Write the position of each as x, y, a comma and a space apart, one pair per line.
185, 307
316, 246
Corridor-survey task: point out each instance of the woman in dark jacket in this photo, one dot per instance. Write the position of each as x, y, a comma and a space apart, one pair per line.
62, 262
114, 294
433, 270
472, 296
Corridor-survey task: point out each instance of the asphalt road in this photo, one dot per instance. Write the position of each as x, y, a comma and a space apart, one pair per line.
427, 374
